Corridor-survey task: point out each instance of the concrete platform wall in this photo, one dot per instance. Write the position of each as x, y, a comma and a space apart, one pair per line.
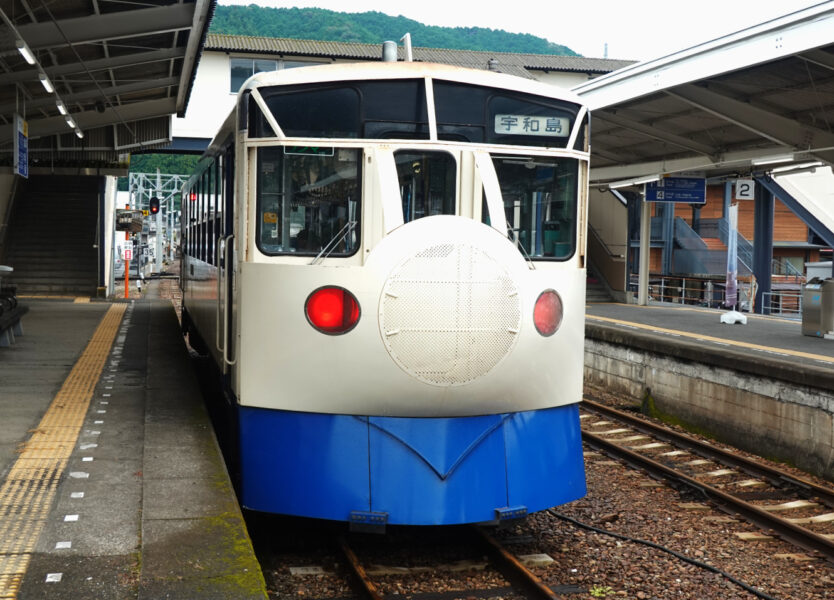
777, 418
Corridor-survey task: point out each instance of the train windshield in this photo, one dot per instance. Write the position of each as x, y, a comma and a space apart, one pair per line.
428, 182
308, 200
540, 198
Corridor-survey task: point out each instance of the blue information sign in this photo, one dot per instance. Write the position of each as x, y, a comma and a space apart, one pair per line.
21, 147
687, 190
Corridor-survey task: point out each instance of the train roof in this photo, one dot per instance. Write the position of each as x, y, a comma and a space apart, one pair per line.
387, 70
406, 70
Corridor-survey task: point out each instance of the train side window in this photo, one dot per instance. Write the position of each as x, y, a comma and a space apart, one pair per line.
308, 200
428, 183
540, 203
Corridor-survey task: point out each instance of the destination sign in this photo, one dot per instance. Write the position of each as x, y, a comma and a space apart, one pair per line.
529, 125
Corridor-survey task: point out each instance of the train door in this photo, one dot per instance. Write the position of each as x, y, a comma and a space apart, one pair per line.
226, 257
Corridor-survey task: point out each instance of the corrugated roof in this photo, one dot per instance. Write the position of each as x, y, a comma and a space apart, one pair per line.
514, 64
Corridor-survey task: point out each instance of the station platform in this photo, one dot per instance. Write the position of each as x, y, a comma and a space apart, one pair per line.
112, 484
766, 346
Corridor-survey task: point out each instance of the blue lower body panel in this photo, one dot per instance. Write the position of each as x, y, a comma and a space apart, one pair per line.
424, 471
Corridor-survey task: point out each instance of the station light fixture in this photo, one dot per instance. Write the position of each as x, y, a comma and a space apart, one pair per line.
772, 159
62, 108
25, 52
79, 133
47, 85
70, 122
629, 182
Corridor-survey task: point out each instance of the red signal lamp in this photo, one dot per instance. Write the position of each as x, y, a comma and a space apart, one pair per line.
547, 313
332, 310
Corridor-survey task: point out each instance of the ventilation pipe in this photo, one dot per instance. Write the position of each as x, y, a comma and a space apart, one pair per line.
406, 39
389, 51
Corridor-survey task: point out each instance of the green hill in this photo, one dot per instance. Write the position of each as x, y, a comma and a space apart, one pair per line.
371, 28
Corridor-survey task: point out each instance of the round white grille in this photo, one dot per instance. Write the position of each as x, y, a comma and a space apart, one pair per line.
449, 314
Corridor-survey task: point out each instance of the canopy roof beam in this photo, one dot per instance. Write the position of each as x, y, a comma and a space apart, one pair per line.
766, 124
653, 132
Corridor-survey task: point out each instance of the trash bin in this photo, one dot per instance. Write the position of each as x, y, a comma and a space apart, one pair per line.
827, 309
818, 307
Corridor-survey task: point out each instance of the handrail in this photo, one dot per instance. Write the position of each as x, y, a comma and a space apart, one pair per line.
226, 261
219, 310
688, 237
602, 243
744, 249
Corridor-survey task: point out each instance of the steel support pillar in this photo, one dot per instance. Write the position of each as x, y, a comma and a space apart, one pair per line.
728, 199
668, 221
763, 247
645, 249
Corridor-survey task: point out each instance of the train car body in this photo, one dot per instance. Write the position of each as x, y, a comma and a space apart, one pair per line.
386, 263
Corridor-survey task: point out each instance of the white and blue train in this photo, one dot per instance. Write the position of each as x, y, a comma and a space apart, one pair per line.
387, 263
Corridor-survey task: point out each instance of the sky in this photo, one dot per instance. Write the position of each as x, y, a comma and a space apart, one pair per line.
633, 29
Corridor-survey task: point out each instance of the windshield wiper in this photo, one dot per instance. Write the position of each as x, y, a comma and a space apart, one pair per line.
511, 235
331, 245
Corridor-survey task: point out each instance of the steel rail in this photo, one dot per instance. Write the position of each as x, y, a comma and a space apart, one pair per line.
512, 569
790, 532
774, 476
367, 586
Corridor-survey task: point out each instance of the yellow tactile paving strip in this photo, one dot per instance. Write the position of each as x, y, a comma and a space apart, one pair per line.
724, 341
27, 493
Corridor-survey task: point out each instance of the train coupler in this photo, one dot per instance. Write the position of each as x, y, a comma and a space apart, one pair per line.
509, 513
366, 521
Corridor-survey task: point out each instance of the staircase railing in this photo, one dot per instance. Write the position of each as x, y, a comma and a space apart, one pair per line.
692, 257
608, 264
686, 237
744, 248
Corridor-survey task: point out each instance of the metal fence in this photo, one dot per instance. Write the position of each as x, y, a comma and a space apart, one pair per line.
786, 303
699, 292
694, 291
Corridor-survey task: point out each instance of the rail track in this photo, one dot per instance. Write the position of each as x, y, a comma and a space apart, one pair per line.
757, 492
459, 562
523, 583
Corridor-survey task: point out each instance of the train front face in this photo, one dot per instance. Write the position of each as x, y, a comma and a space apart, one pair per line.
402, 359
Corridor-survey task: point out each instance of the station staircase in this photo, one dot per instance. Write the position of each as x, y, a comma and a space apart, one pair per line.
52, 236
595, 289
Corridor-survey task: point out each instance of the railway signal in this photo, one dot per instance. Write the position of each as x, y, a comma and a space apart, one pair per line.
153, 205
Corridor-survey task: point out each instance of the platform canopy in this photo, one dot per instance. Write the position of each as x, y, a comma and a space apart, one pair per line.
761, 96
120, 70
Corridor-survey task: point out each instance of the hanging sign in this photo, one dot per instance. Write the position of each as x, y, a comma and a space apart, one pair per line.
686, 190
745, 189
21, 146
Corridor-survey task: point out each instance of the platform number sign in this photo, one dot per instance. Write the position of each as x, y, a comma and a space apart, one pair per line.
745, 189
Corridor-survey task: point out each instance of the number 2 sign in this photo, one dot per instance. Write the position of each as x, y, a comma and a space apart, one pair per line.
745, 189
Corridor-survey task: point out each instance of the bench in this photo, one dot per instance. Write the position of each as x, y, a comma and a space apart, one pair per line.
11, 324
10, 311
